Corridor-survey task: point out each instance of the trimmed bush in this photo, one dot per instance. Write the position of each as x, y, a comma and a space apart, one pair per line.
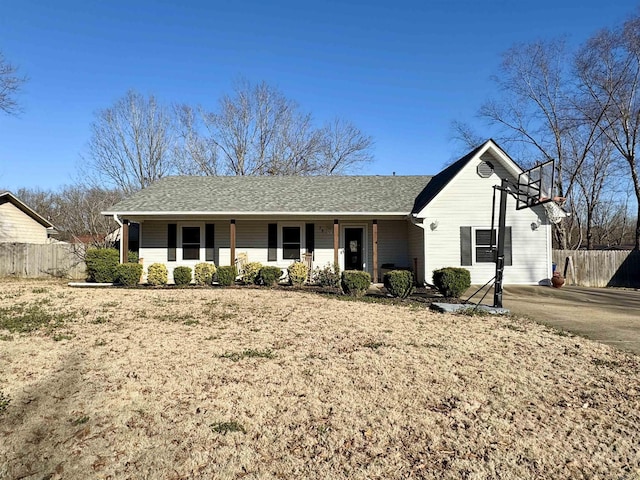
452, 281
182, 275
355, 282
128, 274
250, 272
101, 264
203, 273
157, 274
269, 276
399, 283
133, 257
226, 275
328, 276
298, 273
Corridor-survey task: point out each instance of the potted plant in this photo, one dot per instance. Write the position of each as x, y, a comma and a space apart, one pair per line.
557, 280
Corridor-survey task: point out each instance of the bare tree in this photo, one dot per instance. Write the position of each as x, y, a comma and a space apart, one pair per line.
74, 211
344, 147
537, 112
195, 152
594, 181
608, 67
10, 85
44, 202
80, 219
131, 143
465, 136
259, 131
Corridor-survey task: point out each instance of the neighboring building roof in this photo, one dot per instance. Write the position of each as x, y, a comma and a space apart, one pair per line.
10, 197
283, 194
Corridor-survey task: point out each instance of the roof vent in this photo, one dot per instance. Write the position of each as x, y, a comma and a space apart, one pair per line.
485, 169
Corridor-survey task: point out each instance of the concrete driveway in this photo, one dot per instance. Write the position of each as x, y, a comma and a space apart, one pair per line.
607, 315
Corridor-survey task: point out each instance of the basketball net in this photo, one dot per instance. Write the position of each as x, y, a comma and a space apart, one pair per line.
555, 212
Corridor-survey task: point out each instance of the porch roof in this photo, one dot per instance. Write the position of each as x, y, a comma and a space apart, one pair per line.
284, 194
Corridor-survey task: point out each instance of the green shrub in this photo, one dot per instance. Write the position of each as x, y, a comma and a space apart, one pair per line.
128, 274
269, 276
101, 264
355, 282
203, 273
328, 276
250, 272
133, 257
452, 281
226, 275
157, 274
298, 273
182, 275
399, 283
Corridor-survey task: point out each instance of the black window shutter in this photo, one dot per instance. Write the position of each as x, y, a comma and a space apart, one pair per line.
172, 241
508, 260
309, 237
209, 234
272, 242
465, 245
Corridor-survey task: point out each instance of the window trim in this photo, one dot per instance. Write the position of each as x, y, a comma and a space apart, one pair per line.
301, 227
475, 246
179, 250
365, 243
468, 246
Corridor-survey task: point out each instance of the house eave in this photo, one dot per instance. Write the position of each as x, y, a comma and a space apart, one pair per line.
252, 214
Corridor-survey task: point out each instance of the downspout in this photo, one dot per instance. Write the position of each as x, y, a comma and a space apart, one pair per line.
117, 220
413, 219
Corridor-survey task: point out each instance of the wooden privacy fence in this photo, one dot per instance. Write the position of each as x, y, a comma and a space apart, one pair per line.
32, 260
599, 268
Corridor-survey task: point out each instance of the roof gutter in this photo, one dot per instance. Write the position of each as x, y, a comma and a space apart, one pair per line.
257, 214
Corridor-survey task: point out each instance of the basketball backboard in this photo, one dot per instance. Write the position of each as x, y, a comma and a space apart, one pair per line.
535, 186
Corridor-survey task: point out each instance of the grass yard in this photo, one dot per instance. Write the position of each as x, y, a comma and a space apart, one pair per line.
250, 383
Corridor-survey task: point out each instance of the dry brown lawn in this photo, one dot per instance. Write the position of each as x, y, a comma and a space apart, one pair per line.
253, 383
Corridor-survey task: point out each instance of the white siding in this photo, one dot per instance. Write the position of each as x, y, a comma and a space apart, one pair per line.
467, 201
323, 254
393, 244
16, 226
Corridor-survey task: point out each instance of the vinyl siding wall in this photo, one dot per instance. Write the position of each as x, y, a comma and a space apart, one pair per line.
467, 201
16, 226
252, 239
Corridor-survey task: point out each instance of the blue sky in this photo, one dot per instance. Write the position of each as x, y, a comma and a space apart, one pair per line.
401, 71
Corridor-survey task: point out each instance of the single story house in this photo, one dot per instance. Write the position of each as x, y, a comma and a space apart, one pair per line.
21, 224
366, 223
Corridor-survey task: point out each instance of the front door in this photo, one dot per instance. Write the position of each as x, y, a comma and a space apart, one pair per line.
353, 248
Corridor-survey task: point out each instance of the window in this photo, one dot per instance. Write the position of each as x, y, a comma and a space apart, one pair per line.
475, 245
485, 239
191, 243
291, 243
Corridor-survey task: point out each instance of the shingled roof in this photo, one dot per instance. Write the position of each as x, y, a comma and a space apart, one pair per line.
390, 195
284, 194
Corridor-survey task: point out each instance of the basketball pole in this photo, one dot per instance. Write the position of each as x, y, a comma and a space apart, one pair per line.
502, 226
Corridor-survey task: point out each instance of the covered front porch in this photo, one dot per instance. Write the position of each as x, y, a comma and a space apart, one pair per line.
353, 243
